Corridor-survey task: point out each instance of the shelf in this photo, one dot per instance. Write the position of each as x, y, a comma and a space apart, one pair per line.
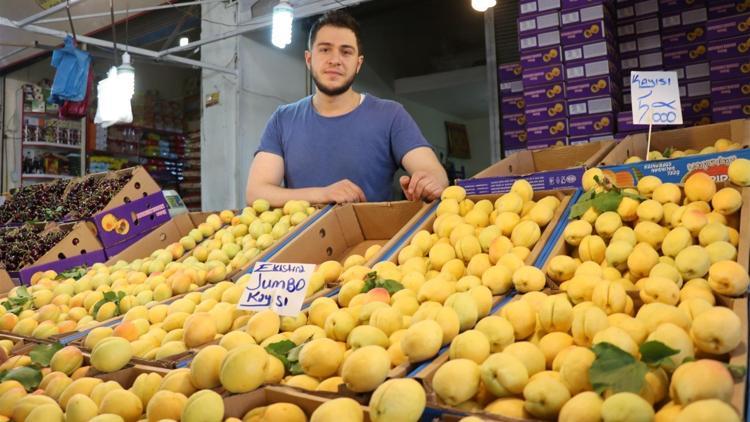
150, 129
52, 145
121, 155
50, 115
47, 176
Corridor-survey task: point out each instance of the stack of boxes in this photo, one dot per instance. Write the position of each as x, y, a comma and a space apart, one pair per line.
592, 82
728, 44
512, 108
543, 73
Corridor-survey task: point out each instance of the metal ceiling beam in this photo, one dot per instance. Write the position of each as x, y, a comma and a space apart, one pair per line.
119, 46
266, 20
51, 11
130, 11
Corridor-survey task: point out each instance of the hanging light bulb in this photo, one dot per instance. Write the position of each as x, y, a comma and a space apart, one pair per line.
281, 32
126, 76
482, 5
184, 41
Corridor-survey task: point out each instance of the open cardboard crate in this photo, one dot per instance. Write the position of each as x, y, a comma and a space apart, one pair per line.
697, 137
546, 169
238, 405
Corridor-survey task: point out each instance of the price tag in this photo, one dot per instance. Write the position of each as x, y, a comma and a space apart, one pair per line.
279, 287
656, 98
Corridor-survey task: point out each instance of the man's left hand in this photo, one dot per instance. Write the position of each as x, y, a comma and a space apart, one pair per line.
421, 185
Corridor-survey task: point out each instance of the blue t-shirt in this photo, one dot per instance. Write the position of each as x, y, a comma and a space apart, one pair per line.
365, 145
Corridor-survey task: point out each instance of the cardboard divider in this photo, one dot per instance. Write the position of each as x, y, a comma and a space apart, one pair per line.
239, 404
546, 169
697, 137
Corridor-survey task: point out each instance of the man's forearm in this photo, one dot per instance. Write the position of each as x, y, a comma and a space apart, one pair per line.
277, 196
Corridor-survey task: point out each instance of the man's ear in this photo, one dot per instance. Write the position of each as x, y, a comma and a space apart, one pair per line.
308, 58
360, 61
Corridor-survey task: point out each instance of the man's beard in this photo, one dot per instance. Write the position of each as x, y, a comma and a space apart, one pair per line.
333, 92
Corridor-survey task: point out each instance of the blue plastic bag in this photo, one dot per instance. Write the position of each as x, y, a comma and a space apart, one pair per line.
72, 73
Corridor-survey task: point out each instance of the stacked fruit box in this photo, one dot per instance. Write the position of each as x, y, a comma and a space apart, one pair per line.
512, 105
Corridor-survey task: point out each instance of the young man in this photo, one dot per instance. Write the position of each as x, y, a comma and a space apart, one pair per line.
339, 145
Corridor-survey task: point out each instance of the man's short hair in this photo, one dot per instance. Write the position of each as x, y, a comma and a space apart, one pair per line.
339, 19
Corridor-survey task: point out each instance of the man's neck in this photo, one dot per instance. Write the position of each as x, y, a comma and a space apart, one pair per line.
332, 106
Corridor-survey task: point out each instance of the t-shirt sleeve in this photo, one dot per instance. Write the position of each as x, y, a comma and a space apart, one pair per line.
270, 141
405, 135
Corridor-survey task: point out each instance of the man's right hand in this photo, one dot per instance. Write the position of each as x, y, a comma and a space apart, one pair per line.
342, 192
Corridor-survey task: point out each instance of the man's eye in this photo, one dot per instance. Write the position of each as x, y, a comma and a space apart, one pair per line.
324, 50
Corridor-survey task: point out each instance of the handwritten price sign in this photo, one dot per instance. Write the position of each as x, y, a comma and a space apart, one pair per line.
656, 98
278, 287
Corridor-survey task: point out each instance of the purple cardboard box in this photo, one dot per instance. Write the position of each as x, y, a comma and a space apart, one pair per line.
586, 32
547, 130
626, 99
641, 61
572, 4
544, 180
683, 18
547, 111
528, 7
697, 106
684, 35
540, 40
546, 143
87, 259
542, 57
543, 75
693, 71
511, 88
585, 14
585, 139
728, 27
591, 125
729, 48
594, 87
731, 90
509, 72
691, 121
730, 110
592, 106
695, 89
640, 43
625, 123
512, 104
589, 51
730, 69
684, 54
538, 23
542, 94
513, 122
638, 26
723, 8
639, 8
134, 218
592, 69
516, 137
669, 6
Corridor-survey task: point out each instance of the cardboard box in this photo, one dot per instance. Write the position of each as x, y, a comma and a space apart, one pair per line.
554, 141
695, 89
667, 6
730, 69
509, 72
512, 104
590, 51
548, 169
728, 27
589, 125
513, 122
723, 8
588, 13
625, 123
571, 4
728, 110
627, 28
586, 32
527, 7
731, 90
701, 120
538, 23
511, 88
550, 129
131, 219
592, 69
639, 8
237, 405
541, 57
694, 107
540, 40
515, 139
585, 139
594, 87
678, 55
541, 112
639, 43
587, 106
688, 72
737, 47
543, 75
649, 60
542, 94
685, 34
694, 138
682, 18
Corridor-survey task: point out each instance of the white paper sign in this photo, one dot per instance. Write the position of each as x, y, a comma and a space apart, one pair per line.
655, 98
279, 287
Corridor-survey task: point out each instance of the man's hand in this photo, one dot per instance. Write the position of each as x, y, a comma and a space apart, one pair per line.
421, 185
342, 192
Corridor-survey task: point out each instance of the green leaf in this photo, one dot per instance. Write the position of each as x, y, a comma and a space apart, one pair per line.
580, 208
657, 353
22, 292
667, 152
392, 286
616, 370
293, 354
74, 273
738, 372
607, 201
280, 350
97, 306
110, 296
29, 377
296, 369
42, 354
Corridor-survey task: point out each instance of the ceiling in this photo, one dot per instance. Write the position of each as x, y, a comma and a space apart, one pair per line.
21, 9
